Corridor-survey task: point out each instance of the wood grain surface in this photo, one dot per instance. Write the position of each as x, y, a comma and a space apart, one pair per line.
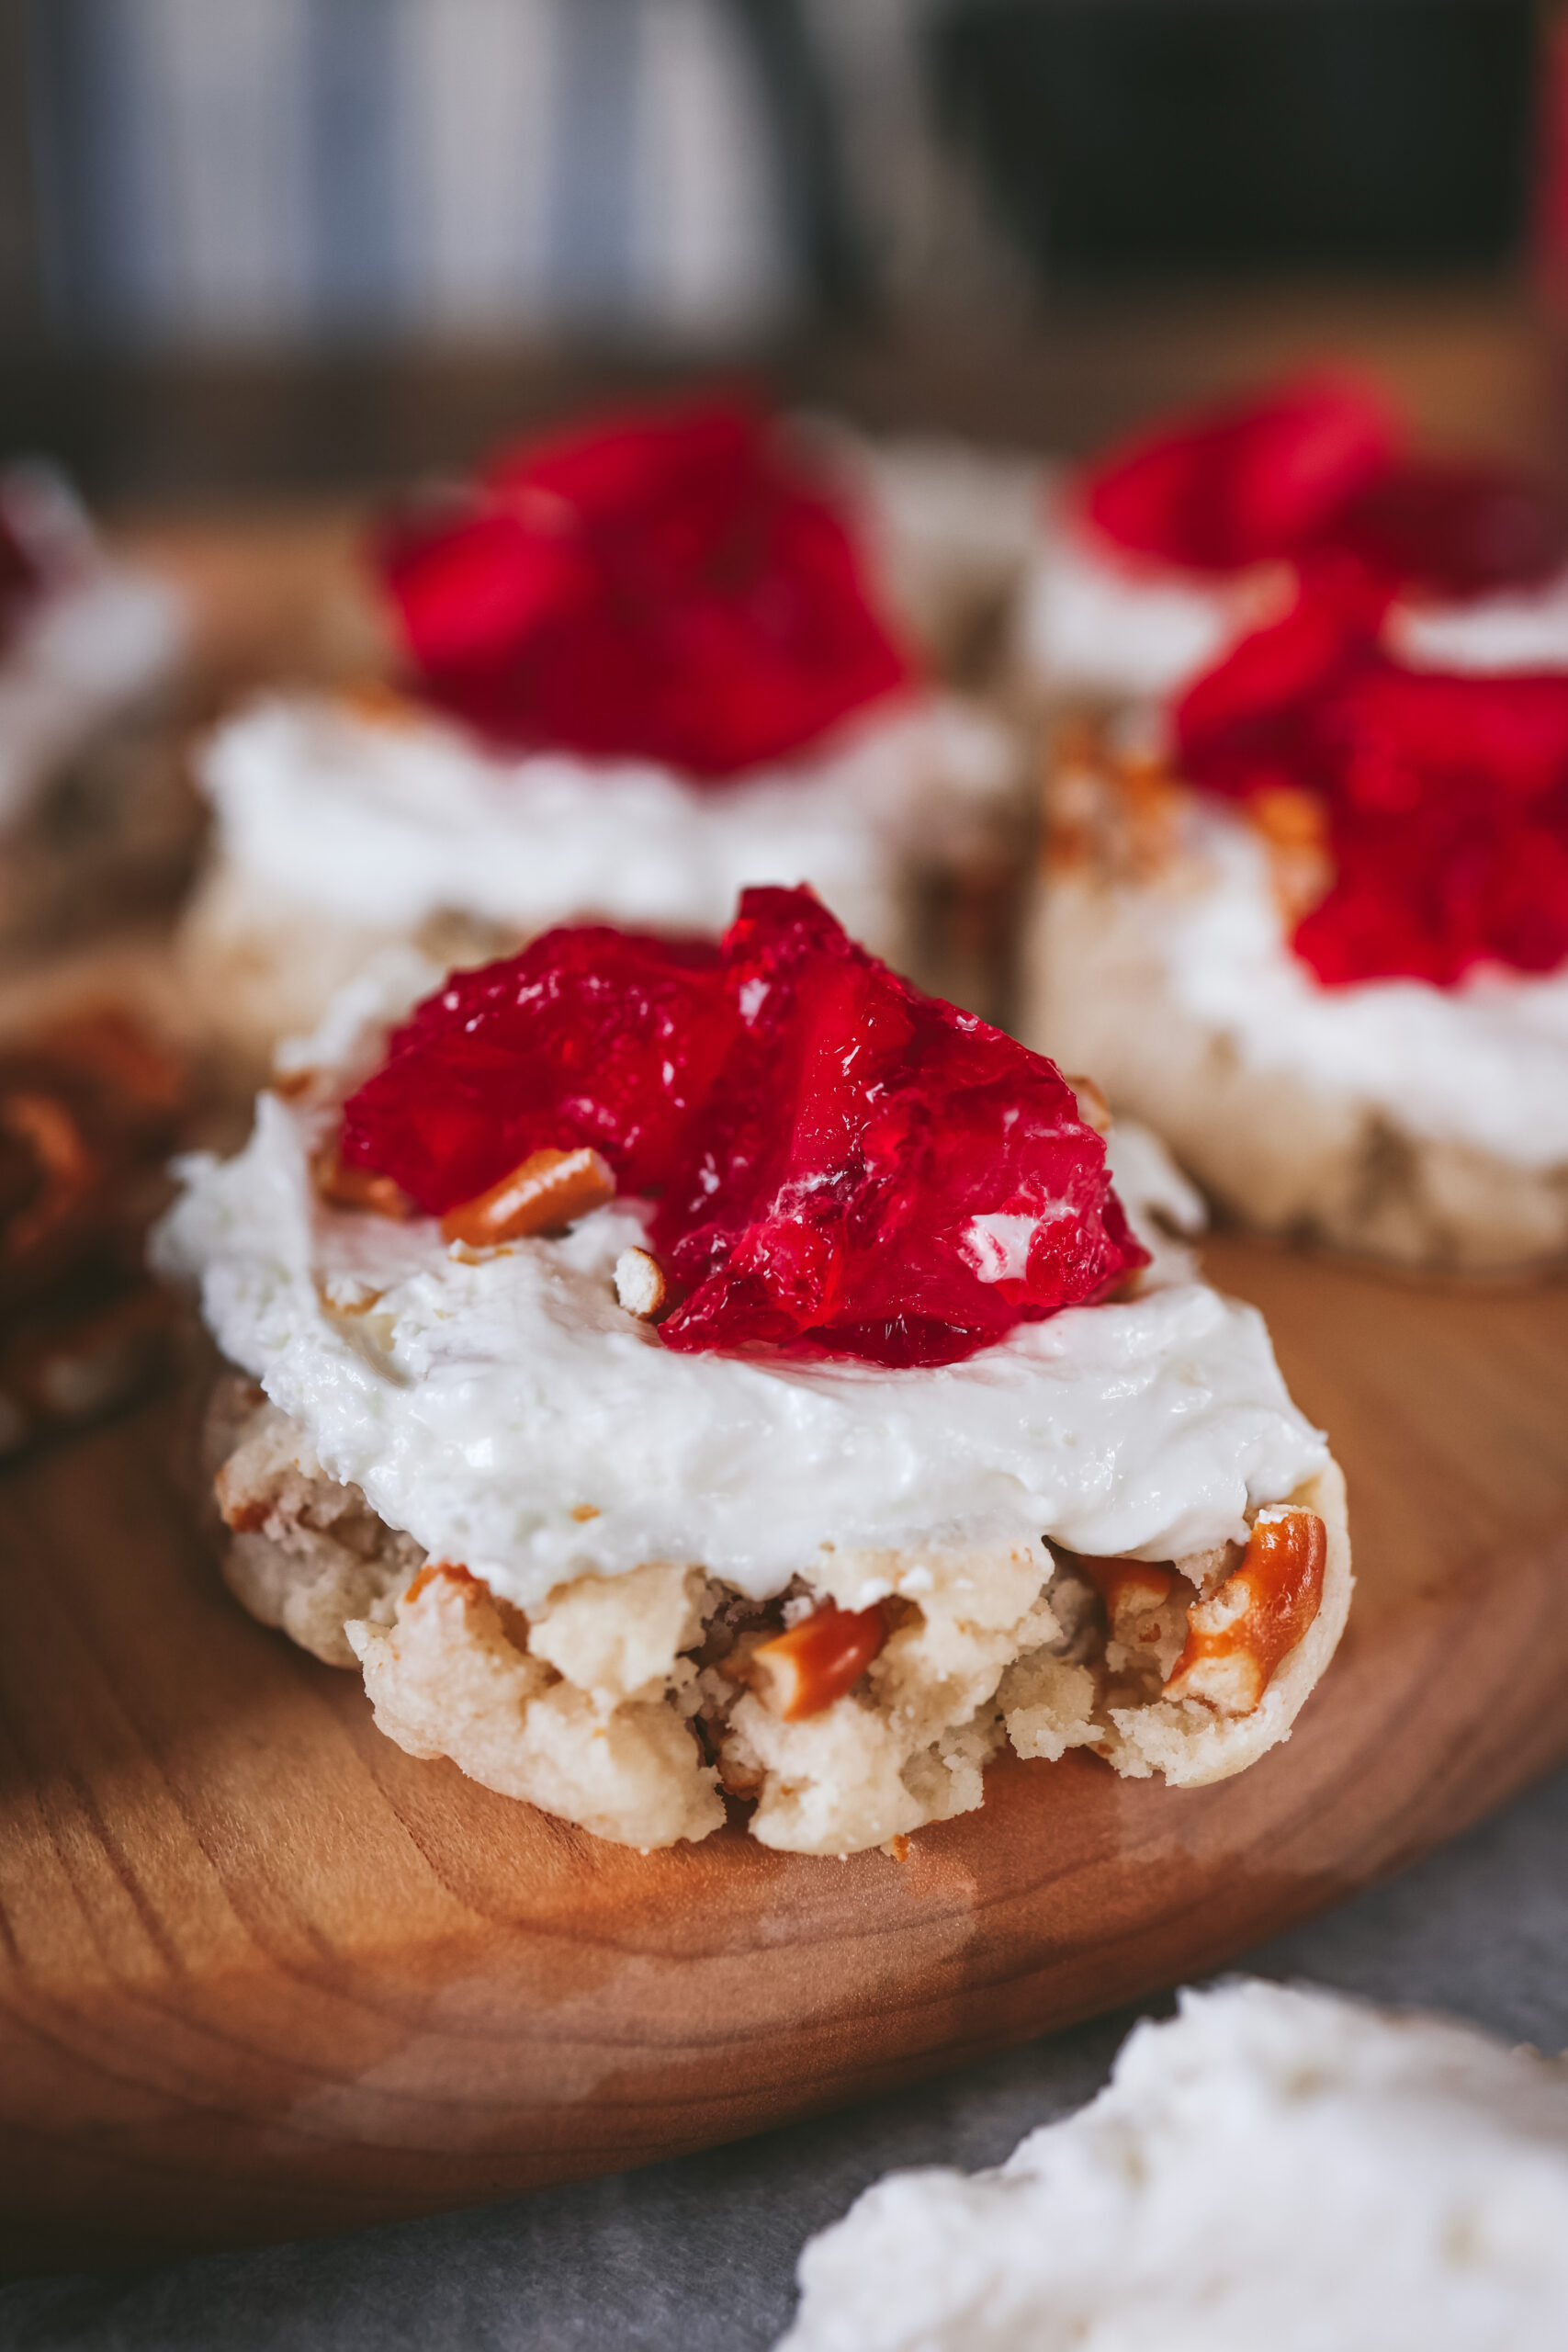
262, 1974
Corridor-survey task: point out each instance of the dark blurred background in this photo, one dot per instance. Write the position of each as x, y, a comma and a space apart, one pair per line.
251, 242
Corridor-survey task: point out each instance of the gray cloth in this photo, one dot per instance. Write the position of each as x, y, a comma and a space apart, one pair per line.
699, 2256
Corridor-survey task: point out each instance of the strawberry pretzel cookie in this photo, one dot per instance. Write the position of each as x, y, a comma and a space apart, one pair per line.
1304, 900
676, 1372
1320, 942
640, 666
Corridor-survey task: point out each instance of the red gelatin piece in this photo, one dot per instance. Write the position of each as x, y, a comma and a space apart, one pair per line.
1454, 530
1253, 720
1446, 796
841, 1165
1313, 473
1448, 825
888, 1178
589, 1036
1247, 482
671, 585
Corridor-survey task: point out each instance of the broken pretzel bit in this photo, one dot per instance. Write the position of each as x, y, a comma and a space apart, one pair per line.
70, 1172
451, 1571
1130, 1589
640, 1286
347, 1294
440, 1583
240, 1517
1072, 799
357, 1188
378, 703
547, 1191
800, 1672
1093, 1108
1294, 827
1145, 1612
1237, 1638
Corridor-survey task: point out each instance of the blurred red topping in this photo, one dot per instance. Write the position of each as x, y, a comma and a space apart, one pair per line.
841, 1165
1313, 473
1453, 530
1447, 795
666, 585
1244, 484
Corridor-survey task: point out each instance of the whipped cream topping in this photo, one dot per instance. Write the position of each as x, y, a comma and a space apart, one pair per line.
1275, 2166
1096, 620
505, 1410
391, 821
1519, 629
1486, 1063
88, 649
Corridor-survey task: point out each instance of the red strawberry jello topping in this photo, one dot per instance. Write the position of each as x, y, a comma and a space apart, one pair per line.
1247, 483
667, 585
1445, 796
1315, 473
1452, 529
840, 1164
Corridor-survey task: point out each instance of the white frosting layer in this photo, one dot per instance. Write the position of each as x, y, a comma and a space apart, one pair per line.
1521, 629
1094, 620
484, 1403
88, 649
390, 823
1273, 2167
1486, 1063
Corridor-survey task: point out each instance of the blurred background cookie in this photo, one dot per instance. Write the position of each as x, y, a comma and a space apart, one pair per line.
89, 1109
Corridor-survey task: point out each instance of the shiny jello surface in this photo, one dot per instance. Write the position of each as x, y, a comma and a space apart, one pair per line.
1245, 483
1444, 796
840, 1164
668, 584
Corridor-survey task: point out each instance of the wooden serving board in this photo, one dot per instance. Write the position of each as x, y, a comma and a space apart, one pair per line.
262, 1974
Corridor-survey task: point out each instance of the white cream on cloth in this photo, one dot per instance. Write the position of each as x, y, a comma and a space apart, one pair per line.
483, 1401
1120, 968
328, 814
1275, 2170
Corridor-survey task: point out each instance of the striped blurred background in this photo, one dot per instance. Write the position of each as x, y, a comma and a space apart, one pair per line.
287, 172
270, 169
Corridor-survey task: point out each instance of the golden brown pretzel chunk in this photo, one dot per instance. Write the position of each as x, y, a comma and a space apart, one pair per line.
1235, 1639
